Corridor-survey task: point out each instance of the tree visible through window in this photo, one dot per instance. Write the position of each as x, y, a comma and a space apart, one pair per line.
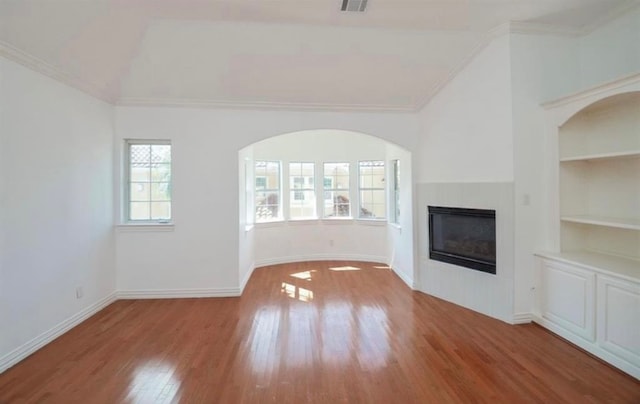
149, 180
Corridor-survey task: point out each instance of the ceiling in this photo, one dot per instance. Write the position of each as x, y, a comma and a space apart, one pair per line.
268, 53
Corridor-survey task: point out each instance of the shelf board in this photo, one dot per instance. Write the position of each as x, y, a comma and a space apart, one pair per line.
626, 223
604, 263
628, 154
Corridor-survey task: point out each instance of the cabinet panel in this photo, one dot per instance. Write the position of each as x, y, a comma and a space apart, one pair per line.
619, 318
568, 298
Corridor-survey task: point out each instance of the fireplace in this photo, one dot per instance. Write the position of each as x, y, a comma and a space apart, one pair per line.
464, 237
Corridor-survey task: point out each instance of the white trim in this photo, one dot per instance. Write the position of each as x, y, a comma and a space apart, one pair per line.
320, 257
530, 28
590, 347
405, 278
594, 91
48, 336
38, 65
624, 8
245, 280
261, 105
144, 227
177, 293
522, 318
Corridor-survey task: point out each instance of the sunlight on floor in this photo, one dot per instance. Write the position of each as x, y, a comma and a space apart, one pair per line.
295, 292
382, 267
305, 275
345, 268
154, 381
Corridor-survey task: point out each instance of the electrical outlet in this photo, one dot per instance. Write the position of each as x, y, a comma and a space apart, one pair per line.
79, 292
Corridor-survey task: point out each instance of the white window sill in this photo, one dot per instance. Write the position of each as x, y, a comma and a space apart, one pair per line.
338, 220
248, 227
144, 227
372, 222
395, 226
302, 222
273, 223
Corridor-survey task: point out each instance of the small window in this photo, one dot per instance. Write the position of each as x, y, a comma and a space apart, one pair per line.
267, 191
336, 190
148, 192
395, 211
302, 204
372, 190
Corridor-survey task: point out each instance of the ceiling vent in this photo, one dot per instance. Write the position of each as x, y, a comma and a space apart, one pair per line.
354, 5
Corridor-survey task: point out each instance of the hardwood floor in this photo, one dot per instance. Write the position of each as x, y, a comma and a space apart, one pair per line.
319, 332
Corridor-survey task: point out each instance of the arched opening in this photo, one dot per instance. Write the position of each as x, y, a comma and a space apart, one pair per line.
325, 194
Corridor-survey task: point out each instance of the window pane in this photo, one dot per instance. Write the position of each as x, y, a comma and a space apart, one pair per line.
140, 153
302, 204
339, 206
372, 204
161, 153
160, 191
140, 191
140, 172
139, 211
161, 172
160, 210
267, 206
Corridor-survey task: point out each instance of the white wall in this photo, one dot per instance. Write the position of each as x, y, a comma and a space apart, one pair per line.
246, 235
466, 160
611, 51
466, 133
400, 238
200, 254
292, 241
56, 207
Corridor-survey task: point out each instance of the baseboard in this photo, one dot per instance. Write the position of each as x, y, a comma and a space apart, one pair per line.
591, 347
177, 293
246, 278
405, 278
522, 318
46, 337
320, 257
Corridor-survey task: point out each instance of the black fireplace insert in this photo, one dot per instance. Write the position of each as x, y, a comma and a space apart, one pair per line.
464, 237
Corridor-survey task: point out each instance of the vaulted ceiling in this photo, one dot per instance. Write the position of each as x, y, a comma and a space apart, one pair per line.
270, 53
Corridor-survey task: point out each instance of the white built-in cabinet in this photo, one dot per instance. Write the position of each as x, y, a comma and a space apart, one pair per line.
588, 286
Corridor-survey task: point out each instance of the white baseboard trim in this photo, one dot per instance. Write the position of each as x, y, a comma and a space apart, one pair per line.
591, 347
246, 278
522, 318
405, 278
320, 257
177, 293
46, 337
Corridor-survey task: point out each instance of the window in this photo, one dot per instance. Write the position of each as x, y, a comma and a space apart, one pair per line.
148, 191
267, 191
336, 190
302, 203
396, 192
372, 192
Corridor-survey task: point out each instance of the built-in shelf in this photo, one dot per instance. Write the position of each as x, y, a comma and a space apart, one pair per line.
626, 223
603, 263
603, 156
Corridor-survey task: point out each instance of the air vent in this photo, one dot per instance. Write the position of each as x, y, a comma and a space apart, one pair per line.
354, 5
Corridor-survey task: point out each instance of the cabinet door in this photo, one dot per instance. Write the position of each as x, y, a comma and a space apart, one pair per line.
619, 318
568, 298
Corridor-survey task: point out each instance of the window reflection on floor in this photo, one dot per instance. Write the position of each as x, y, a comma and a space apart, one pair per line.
154, 382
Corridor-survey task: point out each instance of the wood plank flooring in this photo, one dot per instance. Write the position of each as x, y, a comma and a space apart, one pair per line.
316, 332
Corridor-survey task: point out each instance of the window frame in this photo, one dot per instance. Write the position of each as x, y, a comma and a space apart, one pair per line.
126, 211
280, 213
306, 186
361, 189
333, 189
395, 192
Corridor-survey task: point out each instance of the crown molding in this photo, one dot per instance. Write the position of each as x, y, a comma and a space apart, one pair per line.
36, 64
530, 28
262, 105
607, 87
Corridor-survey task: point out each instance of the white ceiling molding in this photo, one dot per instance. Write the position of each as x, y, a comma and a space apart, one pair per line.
530, 28
297, 106
602, 88
38, 65
614, 14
